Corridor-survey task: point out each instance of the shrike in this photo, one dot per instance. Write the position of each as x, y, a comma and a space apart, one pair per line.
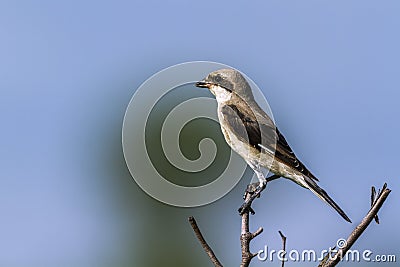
250, 132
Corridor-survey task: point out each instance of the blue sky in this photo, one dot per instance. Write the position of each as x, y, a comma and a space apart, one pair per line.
329, 69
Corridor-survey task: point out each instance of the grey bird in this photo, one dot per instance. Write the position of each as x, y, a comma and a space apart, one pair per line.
250, 132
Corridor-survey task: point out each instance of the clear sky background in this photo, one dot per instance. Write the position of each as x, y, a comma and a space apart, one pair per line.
329, 69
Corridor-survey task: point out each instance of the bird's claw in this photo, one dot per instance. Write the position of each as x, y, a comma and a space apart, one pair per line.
254, 190
246, 206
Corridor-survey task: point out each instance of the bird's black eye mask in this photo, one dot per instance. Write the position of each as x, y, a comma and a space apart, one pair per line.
220, 81
218, 78
227, 89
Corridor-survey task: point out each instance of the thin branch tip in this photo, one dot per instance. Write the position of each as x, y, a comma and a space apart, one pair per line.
257, 232
282, 236
283, 246
203, 242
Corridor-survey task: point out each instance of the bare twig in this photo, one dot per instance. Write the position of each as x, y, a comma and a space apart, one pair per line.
284, 247
373, 195
203, 242
373, 200
245, 235
377, 204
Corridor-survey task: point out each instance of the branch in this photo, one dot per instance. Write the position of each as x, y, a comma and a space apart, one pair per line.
203, 242
373, 200
284, 247
246, 236
372, 213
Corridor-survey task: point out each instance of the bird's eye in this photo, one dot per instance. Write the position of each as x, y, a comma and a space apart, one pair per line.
218, 78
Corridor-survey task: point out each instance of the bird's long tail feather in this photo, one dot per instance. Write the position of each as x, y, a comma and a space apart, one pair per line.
318, 191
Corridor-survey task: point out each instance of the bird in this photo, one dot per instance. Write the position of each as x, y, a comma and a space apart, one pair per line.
251, 133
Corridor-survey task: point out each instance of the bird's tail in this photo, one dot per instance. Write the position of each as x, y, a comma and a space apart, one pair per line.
318, 191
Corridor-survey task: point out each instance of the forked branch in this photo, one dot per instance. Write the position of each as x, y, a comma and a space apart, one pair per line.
376, 204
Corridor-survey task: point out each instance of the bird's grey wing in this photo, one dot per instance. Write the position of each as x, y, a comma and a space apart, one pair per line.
244, 124
261, 133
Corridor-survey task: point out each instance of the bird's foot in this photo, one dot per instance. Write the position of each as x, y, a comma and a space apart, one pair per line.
251, 188
254, 191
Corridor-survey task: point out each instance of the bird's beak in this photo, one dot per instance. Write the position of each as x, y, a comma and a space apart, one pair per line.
203, 84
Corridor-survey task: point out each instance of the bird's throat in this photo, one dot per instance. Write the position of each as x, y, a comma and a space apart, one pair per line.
221, 94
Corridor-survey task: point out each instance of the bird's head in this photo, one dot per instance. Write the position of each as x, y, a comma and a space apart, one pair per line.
222, 83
